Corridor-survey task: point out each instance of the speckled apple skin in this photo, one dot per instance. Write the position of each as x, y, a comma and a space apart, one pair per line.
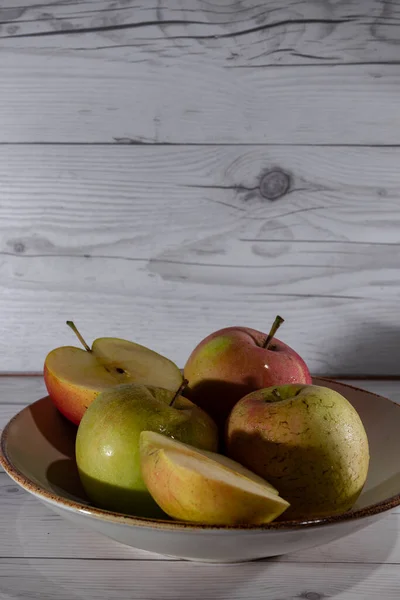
311, 446
231, 363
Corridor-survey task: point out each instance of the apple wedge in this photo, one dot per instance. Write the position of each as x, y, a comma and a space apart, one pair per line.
205, 487
75, 377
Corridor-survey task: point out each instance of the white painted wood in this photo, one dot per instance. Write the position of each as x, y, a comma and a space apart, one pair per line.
17, 392
223, 34
105, 72
164, 245
20, 390
52, 97
123, 580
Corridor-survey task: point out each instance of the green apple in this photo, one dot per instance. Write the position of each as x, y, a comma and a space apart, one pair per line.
204, 487
306, 440
107, 442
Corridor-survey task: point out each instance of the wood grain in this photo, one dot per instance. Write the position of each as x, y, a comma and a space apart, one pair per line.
52, 97
222, 34
116, 579
164, 245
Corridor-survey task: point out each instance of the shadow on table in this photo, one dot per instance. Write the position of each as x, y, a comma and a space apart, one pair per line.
376, 346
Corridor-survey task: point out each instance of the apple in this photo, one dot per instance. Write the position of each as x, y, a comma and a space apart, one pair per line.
235, 361
308, 441
204, 487
107, 442
75, 377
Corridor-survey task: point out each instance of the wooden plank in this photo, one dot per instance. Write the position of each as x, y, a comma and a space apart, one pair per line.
18, 391
344, 194
164, 245
116, 579
53, 97
296, 32
29, 529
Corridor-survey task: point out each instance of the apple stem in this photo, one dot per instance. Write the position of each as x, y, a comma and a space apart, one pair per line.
275, 326
78, 335
179, 391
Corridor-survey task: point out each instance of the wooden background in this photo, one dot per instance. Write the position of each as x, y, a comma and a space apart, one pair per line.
171, 167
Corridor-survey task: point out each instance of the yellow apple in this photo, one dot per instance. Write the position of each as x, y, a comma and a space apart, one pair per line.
205, 487
75, 377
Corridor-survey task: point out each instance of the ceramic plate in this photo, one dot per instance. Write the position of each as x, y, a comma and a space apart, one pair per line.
37, 451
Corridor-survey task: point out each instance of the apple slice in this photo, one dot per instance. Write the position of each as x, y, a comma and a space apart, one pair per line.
74, 377
205, 487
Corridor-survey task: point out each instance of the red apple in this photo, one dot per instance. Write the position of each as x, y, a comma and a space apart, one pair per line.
235, 361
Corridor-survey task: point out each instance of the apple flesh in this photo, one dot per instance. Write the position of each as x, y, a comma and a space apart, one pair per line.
107, 442
75, 377
205, 487
233, 362
308, 441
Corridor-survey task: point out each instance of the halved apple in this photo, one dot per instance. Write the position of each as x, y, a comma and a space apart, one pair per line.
205, 487
74, 377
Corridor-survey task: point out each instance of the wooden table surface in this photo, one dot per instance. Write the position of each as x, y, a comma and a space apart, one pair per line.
43, 556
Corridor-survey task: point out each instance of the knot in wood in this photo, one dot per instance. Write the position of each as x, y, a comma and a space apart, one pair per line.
274, 184
311, 596
19, 247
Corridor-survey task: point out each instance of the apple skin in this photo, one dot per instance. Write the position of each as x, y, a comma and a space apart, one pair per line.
189, 493
310, 444
71, 400
107, 443
231, 363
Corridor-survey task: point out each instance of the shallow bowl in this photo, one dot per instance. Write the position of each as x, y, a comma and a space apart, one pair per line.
37, 451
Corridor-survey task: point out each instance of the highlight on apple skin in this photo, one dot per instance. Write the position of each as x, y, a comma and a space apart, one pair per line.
235, 361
